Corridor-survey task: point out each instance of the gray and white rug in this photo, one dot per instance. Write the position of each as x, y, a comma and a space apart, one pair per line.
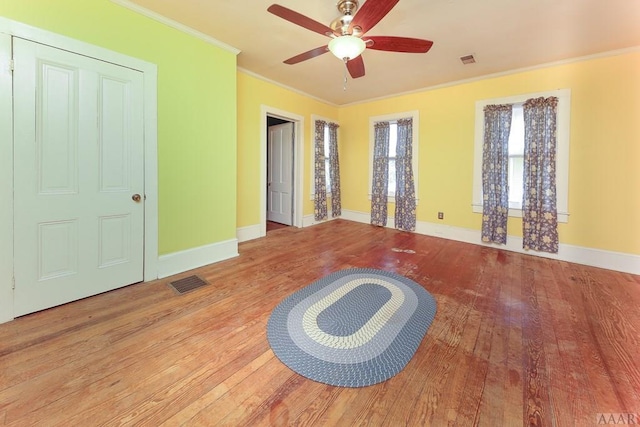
352, 328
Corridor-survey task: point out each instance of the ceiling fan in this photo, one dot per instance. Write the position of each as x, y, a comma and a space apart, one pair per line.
348, 33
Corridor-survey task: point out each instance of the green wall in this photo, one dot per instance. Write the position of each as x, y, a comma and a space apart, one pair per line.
196, 111
209, 135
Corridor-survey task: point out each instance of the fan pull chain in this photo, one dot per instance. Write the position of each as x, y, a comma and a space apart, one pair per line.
344, 86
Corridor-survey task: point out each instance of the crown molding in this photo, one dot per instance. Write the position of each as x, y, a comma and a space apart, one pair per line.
606, 54
292, 89
175, 25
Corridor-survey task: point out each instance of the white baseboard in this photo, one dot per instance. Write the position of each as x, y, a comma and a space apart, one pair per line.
618, 261
626, 263
309, 220
189, 259
251, 232
248, 233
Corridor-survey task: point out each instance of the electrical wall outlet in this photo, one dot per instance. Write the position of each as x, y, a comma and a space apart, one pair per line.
440, 215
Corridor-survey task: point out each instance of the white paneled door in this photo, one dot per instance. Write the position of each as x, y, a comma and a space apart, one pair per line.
280, 174
78, 176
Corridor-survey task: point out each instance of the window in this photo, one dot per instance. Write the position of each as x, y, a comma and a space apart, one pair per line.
327, 160
393, 140
393, 143
327, 152
516, 157
516, 151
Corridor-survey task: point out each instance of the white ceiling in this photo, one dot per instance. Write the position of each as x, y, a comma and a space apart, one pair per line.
503, 35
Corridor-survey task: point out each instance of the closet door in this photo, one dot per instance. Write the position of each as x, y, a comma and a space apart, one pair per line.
78, 176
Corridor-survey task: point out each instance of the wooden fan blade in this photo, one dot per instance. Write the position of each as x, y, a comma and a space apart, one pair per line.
307, 55
356, 66
370, 13
299, 19
399, 44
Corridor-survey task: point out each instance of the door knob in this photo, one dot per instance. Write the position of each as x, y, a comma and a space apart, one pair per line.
136, 198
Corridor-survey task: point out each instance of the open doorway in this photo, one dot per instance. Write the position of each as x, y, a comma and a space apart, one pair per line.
280, 179
296, 121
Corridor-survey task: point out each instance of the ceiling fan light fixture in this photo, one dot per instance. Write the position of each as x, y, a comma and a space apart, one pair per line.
347, 47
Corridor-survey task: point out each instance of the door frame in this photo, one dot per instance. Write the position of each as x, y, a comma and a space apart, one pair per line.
150, 73
298, 163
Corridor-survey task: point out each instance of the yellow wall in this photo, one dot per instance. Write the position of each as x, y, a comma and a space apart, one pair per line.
252, 94
209, 133
604, 172
196, 111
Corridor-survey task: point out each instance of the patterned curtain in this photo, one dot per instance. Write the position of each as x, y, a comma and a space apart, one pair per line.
380, 179
495, 173
320, 185
405, 215
539, 211
334, 171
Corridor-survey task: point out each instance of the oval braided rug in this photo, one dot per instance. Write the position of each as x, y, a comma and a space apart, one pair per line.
352, 328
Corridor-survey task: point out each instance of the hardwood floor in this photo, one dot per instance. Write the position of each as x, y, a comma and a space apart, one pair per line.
271, 226
517, 340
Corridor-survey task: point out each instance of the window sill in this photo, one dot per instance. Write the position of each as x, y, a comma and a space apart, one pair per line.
517, 213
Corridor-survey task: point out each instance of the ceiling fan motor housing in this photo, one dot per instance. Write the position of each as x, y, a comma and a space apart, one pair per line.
341, 24
347, 7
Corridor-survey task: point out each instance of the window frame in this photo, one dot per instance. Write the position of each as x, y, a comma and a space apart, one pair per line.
563, 126
415, 116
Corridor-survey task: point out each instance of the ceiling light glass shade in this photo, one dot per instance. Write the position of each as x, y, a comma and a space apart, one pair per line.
346, 47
